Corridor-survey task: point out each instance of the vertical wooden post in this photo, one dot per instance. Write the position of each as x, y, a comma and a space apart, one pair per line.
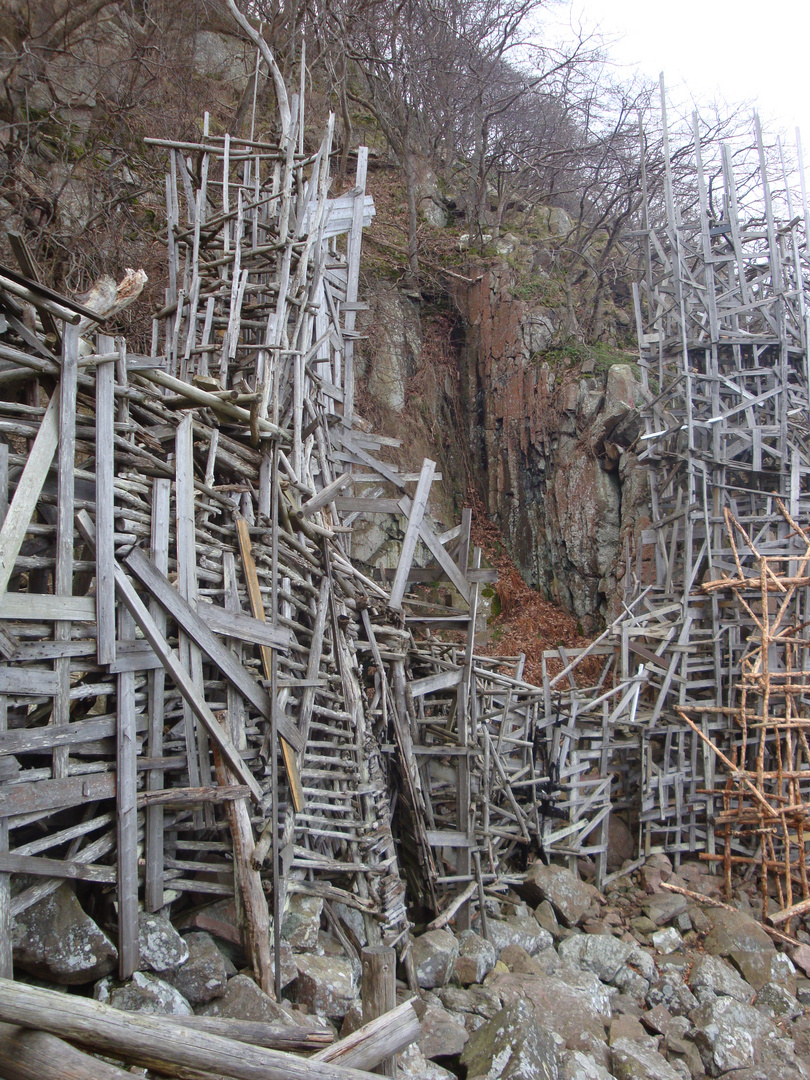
6, 961
379, 991
153, 886
63, 571
127, 812
105, 524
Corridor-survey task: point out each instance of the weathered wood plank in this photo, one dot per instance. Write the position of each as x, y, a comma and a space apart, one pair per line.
415, 517
28, 491
195, 627
105, 504
28, 798
154, 1041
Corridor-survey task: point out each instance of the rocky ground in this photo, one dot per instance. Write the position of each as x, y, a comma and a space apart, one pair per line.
641, 983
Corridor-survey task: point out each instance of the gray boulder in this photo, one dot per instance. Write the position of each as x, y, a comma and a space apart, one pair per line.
517, 930
512, 1046
434, 956
144, 993
734, 931
55, 940
476, 958
244, 1000
327, 985
579, 1066
775, 1000
638, 1059
161, 947
302, 921
603, 954
413, 1065
204, 976
568, 1011
442, 1035
713, 975
759, 968
569, 896
662, 907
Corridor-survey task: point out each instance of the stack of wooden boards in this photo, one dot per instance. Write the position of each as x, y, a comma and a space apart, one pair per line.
202, 693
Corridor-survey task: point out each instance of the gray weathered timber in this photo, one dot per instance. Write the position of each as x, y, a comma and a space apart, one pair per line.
155, 1041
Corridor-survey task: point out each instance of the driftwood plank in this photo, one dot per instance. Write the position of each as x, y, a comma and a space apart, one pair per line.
254, 902
126, 811
29, 798
155, 1042
377, 1040
171, 662
56, 868
35, 1055
417, 513
257, 607
28, 491
153, 883
195, 627
105, 504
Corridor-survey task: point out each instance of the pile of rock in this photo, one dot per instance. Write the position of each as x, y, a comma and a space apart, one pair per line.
568, 984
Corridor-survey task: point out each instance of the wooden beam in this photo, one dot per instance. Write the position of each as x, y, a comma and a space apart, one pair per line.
415, 517
155, 1042
194, 625
28, 491
257, 607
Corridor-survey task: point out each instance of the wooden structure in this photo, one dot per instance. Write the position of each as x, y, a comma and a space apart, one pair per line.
202, 693
715, 628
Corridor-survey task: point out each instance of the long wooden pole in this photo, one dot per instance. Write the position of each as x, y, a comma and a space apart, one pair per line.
155, 1042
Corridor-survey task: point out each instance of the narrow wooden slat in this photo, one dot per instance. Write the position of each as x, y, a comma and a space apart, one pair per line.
417, 513
257, 607
105, 504
28, 491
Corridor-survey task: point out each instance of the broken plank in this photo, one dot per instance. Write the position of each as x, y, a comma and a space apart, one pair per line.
56, 868
28, 491
28, 798
191, 622
415, 517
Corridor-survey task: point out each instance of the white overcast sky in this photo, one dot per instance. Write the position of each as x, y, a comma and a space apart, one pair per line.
736, 50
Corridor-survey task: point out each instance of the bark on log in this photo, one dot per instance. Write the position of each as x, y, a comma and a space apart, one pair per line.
156, 1042
35, 1055
378, 1040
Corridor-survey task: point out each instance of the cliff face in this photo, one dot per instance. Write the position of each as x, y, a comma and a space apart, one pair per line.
552, 451
548, 444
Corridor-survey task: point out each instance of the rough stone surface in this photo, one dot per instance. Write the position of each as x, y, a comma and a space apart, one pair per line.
579, 1066
602, 954
327, 985
663, 907
520, 963
143, 993
442, 1036
734, 931
55, 940
161, 947
204, 976
774, 1000
569, 896
759, 968
713, 975
637, 1059
476, 958
413, 1065
560, 1008
302, 922
434, 956
667, 940
512, 1046
244, 1000
515, 930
